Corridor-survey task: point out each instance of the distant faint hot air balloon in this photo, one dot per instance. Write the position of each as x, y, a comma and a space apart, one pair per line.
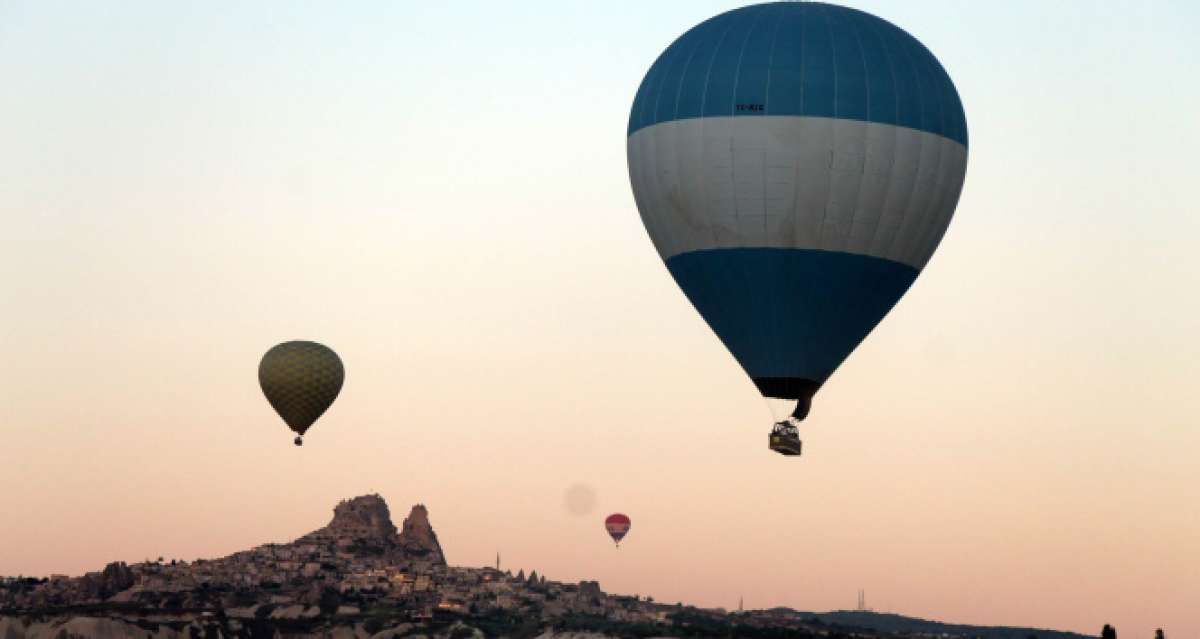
617, 525
300, 380
795, 164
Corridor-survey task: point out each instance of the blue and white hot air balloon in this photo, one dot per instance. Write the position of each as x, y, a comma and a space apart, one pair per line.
796, 164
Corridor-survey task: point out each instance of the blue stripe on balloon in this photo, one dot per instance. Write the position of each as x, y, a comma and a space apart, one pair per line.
800, 58
790, 313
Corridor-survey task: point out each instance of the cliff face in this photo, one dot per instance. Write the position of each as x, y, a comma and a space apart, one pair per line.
365, 524
363, 517
417, 538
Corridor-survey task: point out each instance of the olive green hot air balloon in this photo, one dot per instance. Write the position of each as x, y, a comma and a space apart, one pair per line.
300, 380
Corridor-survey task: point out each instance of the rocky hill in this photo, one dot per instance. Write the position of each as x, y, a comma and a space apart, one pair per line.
417, 538
365, 516
359, 577
363, 525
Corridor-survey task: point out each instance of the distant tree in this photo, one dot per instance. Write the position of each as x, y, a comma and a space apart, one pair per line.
1158, 634
329, 600
1108, 632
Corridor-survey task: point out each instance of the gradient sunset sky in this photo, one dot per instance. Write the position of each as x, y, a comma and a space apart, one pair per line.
439, 192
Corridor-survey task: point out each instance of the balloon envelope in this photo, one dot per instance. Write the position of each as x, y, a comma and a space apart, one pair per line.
795, 164
617, 526
300, 380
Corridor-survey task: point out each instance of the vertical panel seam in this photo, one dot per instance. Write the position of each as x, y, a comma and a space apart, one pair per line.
887, 193
833, 148
866, 137
920, 150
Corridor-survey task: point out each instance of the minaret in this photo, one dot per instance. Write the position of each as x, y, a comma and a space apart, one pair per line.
740, 601
497, 561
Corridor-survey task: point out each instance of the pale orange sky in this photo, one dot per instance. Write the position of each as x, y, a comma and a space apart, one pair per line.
446, 205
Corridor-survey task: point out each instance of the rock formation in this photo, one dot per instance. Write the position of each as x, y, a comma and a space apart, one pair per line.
417, 538
363, 517
364, 525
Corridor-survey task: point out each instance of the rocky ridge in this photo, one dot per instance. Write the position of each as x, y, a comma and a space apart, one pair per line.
366, 516
359, 577
364, 524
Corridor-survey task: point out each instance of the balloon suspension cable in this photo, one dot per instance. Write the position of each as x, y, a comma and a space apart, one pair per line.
789, 426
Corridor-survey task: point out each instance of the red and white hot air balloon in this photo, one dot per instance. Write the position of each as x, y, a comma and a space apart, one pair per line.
617, 525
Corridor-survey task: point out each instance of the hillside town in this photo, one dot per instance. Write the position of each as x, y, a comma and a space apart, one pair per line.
359, 570
361, 578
